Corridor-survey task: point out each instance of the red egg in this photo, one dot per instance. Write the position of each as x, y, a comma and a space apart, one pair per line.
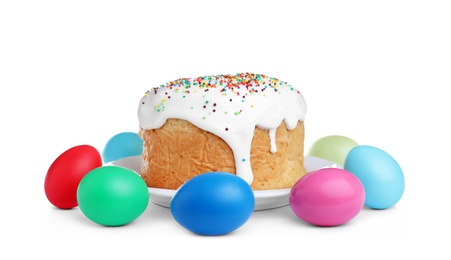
66, 172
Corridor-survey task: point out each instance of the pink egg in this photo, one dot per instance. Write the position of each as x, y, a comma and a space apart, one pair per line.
327, 197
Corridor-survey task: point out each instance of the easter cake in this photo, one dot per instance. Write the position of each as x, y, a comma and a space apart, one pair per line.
247, 124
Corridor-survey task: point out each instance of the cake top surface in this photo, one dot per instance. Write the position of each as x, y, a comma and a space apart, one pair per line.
229, 106
242, 91
233, 83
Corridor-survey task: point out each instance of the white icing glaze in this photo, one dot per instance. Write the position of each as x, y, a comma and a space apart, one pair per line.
229, 106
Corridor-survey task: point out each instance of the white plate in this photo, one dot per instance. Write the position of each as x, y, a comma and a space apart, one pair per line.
266, 199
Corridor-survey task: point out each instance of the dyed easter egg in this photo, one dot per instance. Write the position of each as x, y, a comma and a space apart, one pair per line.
66, 172
112, 195
379, 173
122, 145
334, 148
327, 197
214, 203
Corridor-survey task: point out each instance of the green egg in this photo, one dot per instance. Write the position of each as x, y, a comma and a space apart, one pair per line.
112, 195
334, 148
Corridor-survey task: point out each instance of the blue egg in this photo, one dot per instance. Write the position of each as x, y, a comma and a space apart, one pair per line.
379, 173
213, 203
122, 145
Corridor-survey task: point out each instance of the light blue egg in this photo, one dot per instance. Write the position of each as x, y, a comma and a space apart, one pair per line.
213, 203
379, 173
122, 145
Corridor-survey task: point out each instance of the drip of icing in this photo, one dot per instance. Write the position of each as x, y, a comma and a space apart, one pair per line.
229, 106
272, 138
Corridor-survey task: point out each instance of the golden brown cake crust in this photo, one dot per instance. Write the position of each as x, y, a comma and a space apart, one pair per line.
179, 150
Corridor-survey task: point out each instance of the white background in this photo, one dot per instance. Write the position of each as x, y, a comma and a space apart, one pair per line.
72, 72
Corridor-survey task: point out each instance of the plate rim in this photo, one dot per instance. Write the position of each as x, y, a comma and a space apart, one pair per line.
264, 199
